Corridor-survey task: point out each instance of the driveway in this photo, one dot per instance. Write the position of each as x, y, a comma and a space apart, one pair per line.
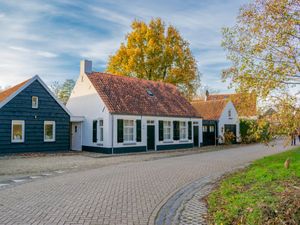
125, 193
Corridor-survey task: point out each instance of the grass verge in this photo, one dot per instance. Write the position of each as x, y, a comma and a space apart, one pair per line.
263, 193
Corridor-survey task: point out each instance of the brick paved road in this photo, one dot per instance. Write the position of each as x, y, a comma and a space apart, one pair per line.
127, 193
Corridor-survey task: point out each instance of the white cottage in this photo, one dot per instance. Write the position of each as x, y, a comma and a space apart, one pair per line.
219, 116
118, 114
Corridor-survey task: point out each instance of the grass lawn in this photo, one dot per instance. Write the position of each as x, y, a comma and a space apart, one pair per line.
264, 193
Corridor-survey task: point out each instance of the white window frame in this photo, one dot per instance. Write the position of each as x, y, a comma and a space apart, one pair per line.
37, 102
127, 127
17, 122
181, 127
167, 126
54, 131
100, 130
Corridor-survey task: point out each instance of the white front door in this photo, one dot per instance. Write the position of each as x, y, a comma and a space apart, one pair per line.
76, 136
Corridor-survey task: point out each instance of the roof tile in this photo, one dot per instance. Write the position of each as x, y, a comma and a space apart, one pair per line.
128, 95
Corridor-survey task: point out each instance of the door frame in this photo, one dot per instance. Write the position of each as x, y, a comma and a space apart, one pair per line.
81, 127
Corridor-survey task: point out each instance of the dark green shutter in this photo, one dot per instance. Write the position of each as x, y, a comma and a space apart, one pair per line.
161, 130
94, 130
138, 130
120, 131
190, 130
176, 130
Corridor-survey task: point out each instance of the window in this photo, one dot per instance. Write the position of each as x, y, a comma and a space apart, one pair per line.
211, 128
229, 113
167, 130
183, 130
204, 128
17, 131
49, 131
100, 137
128, 131
34, 102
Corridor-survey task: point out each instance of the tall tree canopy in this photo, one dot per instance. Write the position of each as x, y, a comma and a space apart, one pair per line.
264, 47
155, 52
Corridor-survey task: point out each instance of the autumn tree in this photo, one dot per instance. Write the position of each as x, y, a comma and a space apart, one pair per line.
264, 47
156, 52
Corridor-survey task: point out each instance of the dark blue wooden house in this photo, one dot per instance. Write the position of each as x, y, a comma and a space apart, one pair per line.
32, 119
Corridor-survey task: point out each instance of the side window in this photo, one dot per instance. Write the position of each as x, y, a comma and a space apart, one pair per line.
211, 128
17, 131
34, 102
204, 128
49, 131
229, 113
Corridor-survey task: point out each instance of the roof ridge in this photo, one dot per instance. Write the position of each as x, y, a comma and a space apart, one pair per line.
135, 78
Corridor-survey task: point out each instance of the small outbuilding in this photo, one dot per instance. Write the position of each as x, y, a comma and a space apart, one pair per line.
219, 116
32, 119
126, 114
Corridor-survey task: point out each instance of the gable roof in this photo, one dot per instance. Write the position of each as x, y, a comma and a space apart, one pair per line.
134, 96
245, 104
10, 93
210, 110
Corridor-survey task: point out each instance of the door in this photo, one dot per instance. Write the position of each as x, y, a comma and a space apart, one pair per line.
150, 137
76, 142
231, 128
196, 136
209, 134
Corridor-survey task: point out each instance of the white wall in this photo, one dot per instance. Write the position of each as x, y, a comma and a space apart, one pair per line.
85, 101
225, 119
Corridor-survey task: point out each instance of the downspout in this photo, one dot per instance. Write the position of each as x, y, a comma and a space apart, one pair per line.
112, 134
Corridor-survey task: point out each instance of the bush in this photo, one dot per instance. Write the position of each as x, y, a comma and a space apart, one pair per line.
253, 131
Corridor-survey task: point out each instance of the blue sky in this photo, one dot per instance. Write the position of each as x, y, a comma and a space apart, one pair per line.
49, 38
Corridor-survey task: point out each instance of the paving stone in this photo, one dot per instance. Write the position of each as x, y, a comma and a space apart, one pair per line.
125, 193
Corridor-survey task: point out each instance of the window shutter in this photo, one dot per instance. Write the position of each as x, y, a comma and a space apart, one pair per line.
190, 130
176, 130
138, 130
94, 131
161, 130
120, 131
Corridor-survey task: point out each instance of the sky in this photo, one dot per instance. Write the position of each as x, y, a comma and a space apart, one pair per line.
49, 38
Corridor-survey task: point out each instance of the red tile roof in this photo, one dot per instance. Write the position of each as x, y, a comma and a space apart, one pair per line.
210, 110
244, 104
128, 95
8, 92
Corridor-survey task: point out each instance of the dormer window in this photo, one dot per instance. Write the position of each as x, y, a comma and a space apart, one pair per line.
35, 102
149, 92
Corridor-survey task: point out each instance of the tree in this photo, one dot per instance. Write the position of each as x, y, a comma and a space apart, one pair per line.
264, 48
63, 91
155, 52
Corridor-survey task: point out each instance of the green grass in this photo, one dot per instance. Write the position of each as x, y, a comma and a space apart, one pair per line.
242, 197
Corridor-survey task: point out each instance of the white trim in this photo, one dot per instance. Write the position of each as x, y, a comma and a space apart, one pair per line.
171, 130
37, 102
53, 131
36, 77
17, 122
98, 131
133, 127
186, 130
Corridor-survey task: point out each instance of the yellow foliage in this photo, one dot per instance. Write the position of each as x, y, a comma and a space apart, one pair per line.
155, 52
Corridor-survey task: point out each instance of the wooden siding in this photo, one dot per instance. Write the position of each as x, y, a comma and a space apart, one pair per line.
20, 108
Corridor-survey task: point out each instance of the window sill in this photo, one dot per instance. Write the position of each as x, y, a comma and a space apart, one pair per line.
168, 141
183, 140
16, 142
100, 143
129, 143
49, 140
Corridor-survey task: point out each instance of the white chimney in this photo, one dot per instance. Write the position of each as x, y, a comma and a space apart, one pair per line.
85, 66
